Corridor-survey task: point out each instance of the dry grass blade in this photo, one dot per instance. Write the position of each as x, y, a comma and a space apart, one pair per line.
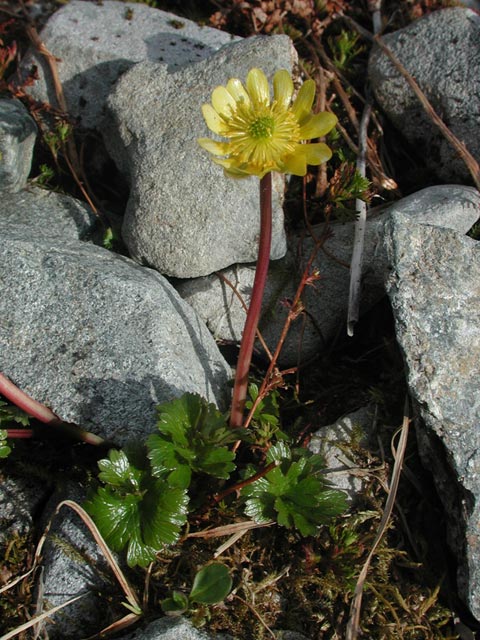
256, 614
16, 580
39, 618
123, 582
130, 594
119, 625
360, 225
226, 545
71, 155
355, 608
374, 7
238, 295
458, 145
229, 529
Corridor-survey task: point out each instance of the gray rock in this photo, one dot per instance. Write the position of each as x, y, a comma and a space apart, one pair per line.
17, 139
184, 217
181, 629
337, 443
97, 338
449, 206
442, 52
19, 500
97, 42
434, 288
50, 214
172, 629
73, 564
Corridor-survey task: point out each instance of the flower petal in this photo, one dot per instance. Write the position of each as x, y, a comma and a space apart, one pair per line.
304, 100
212, 146
317, 125
230, 169
236, 89
223, 102
316, 153
282, 88
236, 173
213, 120
296, 163
257, 87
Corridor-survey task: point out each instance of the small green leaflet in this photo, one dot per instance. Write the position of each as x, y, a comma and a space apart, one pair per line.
5, 450
212, 584
11, 414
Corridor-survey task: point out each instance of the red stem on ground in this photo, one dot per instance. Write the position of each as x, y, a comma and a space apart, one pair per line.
245, 483
253, 315
42, 413
19, 433
27, 404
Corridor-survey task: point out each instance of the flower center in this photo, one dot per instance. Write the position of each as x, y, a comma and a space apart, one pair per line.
262, 128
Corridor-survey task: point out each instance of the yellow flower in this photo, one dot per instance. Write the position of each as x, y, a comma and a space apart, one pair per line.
262, 135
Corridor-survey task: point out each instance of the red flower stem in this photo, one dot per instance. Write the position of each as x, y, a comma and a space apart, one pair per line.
253, 315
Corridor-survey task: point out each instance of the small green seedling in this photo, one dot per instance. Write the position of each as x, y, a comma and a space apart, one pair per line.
211, 585
5, 450
265, 420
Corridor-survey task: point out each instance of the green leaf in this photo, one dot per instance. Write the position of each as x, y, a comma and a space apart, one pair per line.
212, 584
278, 452
135, 510
295, 493
10, 414
115, 515
139, 553
5, 450
218, 462
192, 438
180, 477
163, 513
175, 605
118, 471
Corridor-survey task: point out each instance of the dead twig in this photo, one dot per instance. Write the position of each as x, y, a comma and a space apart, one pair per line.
353, 626
459, 146
360, 226
353, 313
224, 279
71, 154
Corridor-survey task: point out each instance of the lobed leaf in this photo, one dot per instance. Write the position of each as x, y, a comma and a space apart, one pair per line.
117, 471
136, 510
191, 436
295, 494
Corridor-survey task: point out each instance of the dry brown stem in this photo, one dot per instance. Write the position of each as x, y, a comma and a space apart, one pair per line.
459, 146
224, 279
353, 626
